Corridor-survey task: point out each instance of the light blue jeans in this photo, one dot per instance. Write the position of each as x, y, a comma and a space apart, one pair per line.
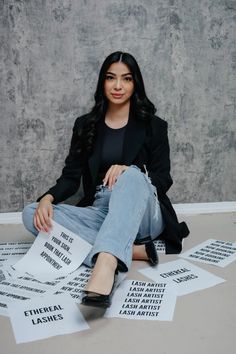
117, 217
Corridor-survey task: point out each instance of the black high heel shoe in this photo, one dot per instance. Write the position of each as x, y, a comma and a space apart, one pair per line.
150, 250
91, 298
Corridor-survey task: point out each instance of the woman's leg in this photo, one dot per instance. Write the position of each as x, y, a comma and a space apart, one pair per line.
132, 207
133, 210
152, 224
85, 222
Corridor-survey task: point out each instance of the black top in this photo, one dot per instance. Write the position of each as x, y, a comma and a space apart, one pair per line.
112, 150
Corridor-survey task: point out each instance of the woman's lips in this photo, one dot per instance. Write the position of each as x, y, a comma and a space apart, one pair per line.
117, 95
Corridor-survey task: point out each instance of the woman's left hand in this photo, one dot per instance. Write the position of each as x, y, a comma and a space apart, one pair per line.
112, 174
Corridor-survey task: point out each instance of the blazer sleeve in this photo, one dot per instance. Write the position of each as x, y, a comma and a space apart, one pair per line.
69, 181
159, 162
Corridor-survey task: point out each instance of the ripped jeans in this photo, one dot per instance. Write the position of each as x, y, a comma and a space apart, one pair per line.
117, 218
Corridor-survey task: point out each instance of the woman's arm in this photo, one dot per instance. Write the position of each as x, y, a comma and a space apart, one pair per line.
69, 181
67, 184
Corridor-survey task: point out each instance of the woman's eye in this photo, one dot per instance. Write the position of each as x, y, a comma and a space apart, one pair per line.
109, 77
128, 78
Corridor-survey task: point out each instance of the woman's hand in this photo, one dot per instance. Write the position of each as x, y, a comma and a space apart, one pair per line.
112, 174
44, 213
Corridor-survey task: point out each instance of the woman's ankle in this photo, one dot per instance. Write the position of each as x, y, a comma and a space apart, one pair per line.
106, 259
102, 277
139, 253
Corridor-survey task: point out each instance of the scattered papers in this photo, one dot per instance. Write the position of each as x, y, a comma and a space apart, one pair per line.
219, 253
41, 290
45, 317
74, 283
54, 254
140, 300
23, 288
160, 246
185, 276
2, 275
11, 252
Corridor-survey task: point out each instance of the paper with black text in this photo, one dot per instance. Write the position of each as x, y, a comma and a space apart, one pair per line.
186, 276
160, 246
11, 252
54, 254
21, 289
2, 275
75, 283
139, 300
45, 317
215, 252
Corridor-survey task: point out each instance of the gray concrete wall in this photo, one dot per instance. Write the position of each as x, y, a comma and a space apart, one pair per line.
50, 53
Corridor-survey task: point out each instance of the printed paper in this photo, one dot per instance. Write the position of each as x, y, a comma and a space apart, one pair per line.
23, 288
160, 246
185, 276
45, 317
54, 254
11, 252
2, 275
140, 300
26, 287
74, 283
215, 252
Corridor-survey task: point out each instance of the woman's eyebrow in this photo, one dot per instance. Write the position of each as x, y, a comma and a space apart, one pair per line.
111, 73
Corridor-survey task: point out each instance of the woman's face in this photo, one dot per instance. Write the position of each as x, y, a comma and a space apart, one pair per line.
119, 84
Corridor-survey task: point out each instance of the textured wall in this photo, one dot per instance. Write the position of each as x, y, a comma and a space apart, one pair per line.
50, 53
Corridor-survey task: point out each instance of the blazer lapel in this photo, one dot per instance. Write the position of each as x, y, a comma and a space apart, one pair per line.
134, 138
95, 158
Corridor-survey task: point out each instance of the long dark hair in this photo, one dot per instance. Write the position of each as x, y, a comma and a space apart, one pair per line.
140, 105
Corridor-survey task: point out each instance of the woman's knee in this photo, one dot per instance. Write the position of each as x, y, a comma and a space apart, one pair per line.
133, 175
133, 172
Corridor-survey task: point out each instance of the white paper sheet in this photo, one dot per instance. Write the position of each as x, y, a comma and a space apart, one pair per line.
54, 254
11, 252
160, 246
138, 300
23, 288
2, 275
10, 272
186, 276
74, 283
45, 317
215, 252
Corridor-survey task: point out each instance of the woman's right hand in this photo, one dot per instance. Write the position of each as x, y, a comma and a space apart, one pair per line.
44, 214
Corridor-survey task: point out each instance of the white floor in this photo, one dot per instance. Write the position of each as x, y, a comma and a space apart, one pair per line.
204, 321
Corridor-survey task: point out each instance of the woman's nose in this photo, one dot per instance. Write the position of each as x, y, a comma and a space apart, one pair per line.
118, 85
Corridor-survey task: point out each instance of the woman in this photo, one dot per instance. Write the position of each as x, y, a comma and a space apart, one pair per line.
121, 151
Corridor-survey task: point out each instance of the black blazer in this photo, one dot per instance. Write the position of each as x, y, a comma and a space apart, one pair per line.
145, 143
